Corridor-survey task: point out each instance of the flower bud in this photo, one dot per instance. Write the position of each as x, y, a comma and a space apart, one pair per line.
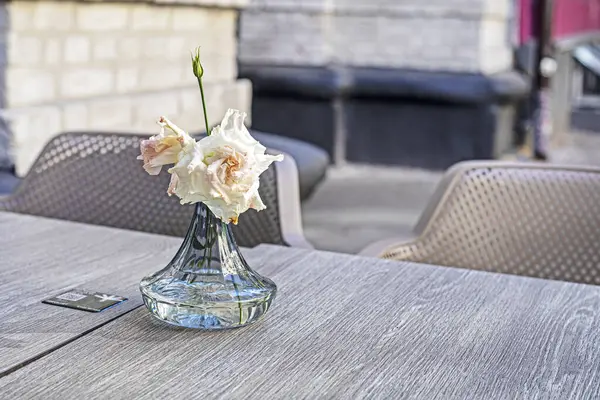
196, 65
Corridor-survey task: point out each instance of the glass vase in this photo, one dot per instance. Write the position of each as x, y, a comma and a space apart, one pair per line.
208, 284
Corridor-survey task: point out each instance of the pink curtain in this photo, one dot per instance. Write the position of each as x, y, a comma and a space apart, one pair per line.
525, 16
571, 17
575, 16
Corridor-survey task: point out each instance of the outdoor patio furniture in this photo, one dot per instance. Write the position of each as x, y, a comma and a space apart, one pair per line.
341, 327
528, 219
95, 178
312, 161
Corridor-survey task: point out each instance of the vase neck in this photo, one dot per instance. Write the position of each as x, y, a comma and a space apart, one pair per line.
209, 246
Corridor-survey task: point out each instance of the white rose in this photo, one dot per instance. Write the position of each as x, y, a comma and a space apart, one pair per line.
164, 148
222, 170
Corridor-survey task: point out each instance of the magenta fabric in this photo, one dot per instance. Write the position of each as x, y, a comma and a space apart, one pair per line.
571, 17
525, 16
575, 16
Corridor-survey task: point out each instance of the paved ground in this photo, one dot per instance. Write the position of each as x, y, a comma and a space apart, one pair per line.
357, 205
581, 148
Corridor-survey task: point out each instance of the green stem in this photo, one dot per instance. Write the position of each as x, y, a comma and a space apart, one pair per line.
203, 106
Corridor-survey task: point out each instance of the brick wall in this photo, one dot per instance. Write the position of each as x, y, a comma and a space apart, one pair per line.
115, 66
450, 35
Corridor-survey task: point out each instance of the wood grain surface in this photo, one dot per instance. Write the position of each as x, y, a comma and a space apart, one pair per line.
347, 327
40, 258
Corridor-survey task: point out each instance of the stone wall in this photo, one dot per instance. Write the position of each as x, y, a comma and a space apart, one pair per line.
422, 83
115, 66
440, 35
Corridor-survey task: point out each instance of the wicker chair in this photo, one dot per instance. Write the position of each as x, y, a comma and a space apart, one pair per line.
95, 178
519, 218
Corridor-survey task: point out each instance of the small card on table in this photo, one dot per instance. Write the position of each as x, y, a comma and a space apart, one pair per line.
80, 299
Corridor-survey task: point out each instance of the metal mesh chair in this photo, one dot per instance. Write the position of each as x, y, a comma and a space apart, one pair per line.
95, 178
518, 218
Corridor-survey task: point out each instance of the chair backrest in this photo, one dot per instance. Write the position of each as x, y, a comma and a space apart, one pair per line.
95, 178
520, 218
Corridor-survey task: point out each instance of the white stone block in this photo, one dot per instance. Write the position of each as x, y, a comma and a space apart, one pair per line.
31, 129
190, 115
432, 49
53, 15
225, 46
127, 79
192, 19
219, 97
354, 39
219, 68
52, 51
129, 48
161, 76
208, 3
220, 56
238, 95
148, 108
193, 40
20, 14
85, 82
284, 38
435, 35
191, 101
102, 16
105, 48
77, 49
176, 48
111, 114
433, 8
155, 47
75, 116
24, 50
500, 9
223, 22
291, 5
493, 33
28, 86
496, 60
150, 18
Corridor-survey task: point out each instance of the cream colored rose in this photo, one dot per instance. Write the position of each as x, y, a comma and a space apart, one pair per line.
164, 148
222, 170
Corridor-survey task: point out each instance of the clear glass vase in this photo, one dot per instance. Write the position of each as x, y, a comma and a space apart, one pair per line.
208, 284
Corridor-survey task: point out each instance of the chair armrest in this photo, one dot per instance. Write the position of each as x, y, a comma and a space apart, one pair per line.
288, 196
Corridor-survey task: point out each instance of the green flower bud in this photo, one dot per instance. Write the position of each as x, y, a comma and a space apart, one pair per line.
196, 65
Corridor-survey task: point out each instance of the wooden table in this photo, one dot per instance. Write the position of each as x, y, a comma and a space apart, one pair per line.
341, 327
40, 258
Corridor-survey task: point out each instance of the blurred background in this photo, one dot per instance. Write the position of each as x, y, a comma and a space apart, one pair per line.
386, 94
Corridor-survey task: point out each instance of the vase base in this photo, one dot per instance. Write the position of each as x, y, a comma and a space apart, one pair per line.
183, 307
